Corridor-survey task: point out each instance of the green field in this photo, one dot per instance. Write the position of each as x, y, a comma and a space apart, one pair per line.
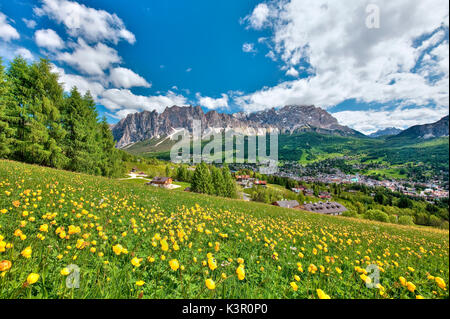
196, 246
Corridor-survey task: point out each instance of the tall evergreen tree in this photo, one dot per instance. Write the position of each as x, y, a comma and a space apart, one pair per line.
218, 182
230, 185
36, 97
5, 130
111, 161
201, 181
80, 122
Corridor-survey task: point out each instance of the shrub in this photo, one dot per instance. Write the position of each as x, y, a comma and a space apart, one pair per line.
405, 220
349, 213
375, 214
393, 219
435, 221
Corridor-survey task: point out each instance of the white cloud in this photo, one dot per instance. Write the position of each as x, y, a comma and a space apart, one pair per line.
370, 121
7, 32
123, 113
29, 23
125, 78
248, 47
349, 60
25, 53
49, 39
81, 21
259, 17
211, 103
292, 72
83, 84
188, 70
117, 99
90, 60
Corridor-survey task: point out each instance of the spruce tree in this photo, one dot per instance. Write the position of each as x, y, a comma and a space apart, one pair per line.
218, 182
201, 181
5, 130
80, 124
111, 161
230, 185
33, 112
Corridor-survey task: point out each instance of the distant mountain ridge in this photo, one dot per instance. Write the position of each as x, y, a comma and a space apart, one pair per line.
293, 118
426, 131
385, 132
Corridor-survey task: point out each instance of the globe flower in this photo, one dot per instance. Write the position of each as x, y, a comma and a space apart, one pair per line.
164, 245
32, 278
210, 284
65, 272
140, 283
411, 287
174, 264
27, 252
366, 279
136, 261
294, 286
118, 249
322, 295
212, 263
402, 281
240, 272
440, 282
5, 265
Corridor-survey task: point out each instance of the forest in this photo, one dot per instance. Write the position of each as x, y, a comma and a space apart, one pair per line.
40, 124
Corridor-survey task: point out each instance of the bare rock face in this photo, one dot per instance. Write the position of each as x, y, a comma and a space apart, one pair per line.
289, 119
427, 131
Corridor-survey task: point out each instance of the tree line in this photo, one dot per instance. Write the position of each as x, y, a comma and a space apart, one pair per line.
41, 124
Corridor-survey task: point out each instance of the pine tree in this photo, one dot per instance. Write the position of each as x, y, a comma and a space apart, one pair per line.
5, 130
182, 173
230, 185
201, 181
110, 157
33, 112
81, 125
218, 182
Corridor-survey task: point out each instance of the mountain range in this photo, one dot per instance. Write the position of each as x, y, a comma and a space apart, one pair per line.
385, 132
152, 126
147, 125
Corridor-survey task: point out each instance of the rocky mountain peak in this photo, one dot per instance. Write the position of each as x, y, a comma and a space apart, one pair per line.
288, 119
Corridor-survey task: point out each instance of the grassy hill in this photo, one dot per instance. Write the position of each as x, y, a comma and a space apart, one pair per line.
123, 235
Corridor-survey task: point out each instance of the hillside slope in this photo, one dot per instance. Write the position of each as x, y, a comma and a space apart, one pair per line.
70, 218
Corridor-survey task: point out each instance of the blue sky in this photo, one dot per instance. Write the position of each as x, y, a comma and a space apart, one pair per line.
243, 55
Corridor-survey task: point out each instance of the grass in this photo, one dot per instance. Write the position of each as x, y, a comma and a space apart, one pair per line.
69, 218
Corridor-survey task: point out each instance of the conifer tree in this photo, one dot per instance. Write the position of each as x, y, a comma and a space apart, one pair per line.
33, 112
201, 181
230, 185
5, 130
218, 182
